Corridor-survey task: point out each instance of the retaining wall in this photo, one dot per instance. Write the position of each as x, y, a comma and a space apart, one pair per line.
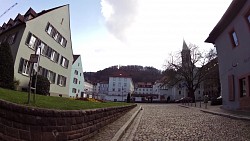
18, 122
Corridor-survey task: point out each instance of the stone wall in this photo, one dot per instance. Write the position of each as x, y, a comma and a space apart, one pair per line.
18, 122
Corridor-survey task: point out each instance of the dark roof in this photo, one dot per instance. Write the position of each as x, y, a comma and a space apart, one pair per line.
226, 19
30, 12
75, 58
20, 18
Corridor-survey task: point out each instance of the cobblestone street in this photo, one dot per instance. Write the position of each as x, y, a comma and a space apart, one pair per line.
160, 122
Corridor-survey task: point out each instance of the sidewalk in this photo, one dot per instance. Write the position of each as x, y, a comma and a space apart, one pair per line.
217, 110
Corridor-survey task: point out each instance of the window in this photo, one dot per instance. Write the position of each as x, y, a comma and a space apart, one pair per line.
24, 67
51, 76
113, 84
125, 84
234, 38
79, 82
31, 41
54, 56
179, 92
119, 84
119, 89
61, 80
74, 90
243, 88
75, 80
64, 62
56, 35
49, 29
80, 74
113, 89
76, 72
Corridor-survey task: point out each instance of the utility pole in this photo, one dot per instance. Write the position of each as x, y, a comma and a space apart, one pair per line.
8, 9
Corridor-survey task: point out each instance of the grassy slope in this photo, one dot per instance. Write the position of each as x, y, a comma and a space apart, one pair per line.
53, 102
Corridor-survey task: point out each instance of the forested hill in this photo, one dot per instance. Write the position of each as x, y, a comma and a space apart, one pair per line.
137, 73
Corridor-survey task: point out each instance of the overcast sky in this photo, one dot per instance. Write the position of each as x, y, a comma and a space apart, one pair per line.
130, 32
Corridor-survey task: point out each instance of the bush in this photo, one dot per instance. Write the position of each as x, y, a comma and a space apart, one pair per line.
42, 85
6, 66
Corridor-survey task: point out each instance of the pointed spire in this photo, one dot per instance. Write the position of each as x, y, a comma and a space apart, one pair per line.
184, 46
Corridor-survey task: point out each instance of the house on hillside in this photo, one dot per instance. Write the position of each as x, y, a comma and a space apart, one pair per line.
231, 37
47, 32
120, 85
76, 88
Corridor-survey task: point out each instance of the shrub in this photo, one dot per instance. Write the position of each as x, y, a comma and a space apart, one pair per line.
6, 66
42, 85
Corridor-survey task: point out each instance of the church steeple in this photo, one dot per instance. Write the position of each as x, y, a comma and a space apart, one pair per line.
185, 55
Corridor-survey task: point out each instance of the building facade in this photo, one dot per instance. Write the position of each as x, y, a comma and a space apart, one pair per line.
76, 88
48, 33
231, 37
119, 87
88, 90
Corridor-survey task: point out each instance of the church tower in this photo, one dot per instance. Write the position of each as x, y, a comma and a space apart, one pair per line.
185, 55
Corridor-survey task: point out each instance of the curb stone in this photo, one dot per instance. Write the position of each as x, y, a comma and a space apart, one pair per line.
123, 129
227, 115
221, 114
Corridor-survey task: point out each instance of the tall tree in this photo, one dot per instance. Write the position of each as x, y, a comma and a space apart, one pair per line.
188, 66
6, 66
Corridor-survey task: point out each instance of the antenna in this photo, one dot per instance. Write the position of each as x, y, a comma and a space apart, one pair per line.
9, 9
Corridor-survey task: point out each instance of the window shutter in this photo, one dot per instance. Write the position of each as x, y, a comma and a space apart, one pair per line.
20, 69
64, 82
231, 96
28, 38
58, 79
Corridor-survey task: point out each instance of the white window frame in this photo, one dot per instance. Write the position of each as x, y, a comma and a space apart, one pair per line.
32, 41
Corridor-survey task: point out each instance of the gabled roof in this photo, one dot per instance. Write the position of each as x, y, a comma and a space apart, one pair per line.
226, 19
21, 18
30, 12
75, 57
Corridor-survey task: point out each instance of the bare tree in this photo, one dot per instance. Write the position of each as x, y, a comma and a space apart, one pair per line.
188, 66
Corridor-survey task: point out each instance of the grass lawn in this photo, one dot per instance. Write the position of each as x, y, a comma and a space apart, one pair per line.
51, 102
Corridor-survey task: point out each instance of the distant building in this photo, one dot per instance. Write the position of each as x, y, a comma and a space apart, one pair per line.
120, 85
48, 33
76, 88
231, 37
88, 89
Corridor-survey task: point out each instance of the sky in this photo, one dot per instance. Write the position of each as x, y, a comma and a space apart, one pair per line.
130, 32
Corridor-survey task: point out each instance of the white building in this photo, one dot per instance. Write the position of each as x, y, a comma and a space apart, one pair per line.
76, 88
88, 89
102, 88
119, 87
48, 31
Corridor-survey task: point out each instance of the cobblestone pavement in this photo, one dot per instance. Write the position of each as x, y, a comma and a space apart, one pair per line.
160, 122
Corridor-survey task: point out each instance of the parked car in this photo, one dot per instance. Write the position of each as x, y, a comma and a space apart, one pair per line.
216, 101
184, 99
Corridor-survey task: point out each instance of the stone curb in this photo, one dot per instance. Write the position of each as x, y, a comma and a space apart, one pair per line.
221, 114
227, 115
123, 129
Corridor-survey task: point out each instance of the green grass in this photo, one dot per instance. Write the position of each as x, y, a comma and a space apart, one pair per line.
51, 102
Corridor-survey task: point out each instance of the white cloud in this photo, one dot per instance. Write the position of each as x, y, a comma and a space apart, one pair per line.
119, 15
151, 29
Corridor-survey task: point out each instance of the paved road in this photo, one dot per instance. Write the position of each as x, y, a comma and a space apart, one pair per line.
160, 122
